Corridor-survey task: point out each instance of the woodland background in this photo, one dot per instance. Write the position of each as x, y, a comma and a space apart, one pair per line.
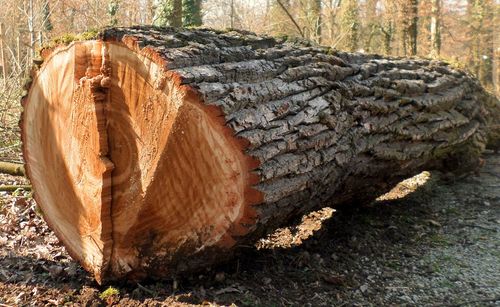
462, 32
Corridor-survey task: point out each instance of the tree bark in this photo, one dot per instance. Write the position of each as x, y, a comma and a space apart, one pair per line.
175, 147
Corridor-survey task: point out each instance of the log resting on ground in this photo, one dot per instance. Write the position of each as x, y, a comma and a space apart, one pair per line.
159, 151
14, 169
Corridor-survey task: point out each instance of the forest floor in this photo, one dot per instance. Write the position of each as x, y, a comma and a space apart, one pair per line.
433, 241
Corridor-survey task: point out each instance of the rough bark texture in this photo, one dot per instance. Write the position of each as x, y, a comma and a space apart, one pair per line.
280, 128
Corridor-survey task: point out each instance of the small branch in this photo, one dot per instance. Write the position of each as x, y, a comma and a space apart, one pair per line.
12, 188
14, 169
481, 227
291, 18
487, 300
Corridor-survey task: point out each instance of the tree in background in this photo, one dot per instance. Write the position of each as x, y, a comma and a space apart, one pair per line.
388, 26
168, 13
191, 13
282, 20
350, 25
47, 24
315, 20
371, 27
435, 28
413, 27
481, 39
113, 7
408, 10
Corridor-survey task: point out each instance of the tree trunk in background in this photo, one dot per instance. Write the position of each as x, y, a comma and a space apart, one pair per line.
475, 21
333, 9
408, 19
435, 28
388, 27
496, 71
168, 13
488, 37
316, 20
388, 33
113, 8
31, 27
191, 13
350, 24
372, 24
413, 27
5, 69
173, 148
177, 14
482, 35
150, 8
46, 22
409, 32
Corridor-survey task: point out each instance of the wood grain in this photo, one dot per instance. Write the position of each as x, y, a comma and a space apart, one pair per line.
64, 154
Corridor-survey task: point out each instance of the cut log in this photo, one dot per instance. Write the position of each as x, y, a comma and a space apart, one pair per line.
13, 169
159, 151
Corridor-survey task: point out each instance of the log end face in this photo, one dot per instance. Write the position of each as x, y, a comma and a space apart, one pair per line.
135, 175
62, 147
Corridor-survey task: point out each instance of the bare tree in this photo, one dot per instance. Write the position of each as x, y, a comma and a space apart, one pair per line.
435, 28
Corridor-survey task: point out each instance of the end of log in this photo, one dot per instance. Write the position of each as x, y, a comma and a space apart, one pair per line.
129, 165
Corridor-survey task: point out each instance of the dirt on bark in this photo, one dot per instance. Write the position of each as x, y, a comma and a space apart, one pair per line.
432, 241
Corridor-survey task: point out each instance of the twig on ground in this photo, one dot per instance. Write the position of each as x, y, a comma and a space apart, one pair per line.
481, 227
12, 168
486, 300
12, 188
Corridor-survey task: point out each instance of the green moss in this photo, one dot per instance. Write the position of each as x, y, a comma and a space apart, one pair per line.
89, 34
64, 39
68, 38
108, 293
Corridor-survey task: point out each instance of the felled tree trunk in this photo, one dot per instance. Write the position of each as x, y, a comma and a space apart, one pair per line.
154, 151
